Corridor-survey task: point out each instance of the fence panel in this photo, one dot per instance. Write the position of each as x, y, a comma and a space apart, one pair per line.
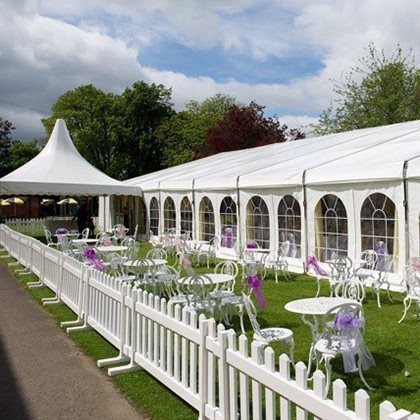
208, 367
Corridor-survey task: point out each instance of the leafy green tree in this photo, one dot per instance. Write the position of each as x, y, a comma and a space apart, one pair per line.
23, 152
184, 134
143, 108
243, 127
377, 91
6, 128
91, 116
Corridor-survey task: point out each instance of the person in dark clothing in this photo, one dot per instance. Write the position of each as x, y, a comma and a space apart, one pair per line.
82, 217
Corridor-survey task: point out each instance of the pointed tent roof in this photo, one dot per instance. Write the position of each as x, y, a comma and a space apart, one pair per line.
60, 169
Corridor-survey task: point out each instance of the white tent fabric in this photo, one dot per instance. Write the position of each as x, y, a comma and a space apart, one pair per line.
60, 169
364, 155
351, 165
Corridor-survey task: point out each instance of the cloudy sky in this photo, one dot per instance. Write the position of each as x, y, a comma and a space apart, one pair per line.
280, 53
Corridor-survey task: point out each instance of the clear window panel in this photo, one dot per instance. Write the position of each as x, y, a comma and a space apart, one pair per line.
206, 214
290, 222
379, 230
186, 217
331, 228
228, 222
258, 222
169, 214
154, 216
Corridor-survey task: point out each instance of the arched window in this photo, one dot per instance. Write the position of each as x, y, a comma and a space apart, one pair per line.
154, 216
142, 216
289, 221
186, 217
169, 214
258, 222
206, 214
379, 228
331, 230
228, 222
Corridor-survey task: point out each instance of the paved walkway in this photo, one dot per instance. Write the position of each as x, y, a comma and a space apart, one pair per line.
43, 375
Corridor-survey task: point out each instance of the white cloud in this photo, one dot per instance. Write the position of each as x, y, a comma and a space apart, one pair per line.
49, 47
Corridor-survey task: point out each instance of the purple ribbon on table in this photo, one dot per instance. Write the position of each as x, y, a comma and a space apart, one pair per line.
318, 270
61, 231
255, 284
92, 257
250, 245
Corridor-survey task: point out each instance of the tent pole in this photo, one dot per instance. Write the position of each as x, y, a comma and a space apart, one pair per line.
305, 216
406, 216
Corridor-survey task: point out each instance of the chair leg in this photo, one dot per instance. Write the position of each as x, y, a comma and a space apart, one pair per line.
318, 281
363, 378
328, 368
406, 307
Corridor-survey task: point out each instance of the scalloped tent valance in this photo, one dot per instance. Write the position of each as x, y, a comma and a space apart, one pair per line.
59, 169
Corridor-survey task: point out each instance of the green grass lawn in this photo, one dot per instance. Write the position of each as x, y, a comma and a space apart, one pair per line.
395, 347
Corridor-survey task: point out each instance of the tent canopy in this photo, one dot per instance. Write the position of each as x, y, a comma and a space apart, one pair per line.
59, 169
359, 156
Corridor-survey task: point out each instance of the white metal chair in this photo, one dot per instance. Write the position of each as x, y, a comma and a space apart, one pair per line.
268, 335
412, 282
208, 251
279, 264
85, 233
198, 287
48, 238
373, 274
157, 254
342, 334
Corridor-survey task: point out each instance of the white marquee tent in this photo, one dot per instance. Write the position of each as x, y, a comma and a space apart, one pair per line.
346, 181
59, 169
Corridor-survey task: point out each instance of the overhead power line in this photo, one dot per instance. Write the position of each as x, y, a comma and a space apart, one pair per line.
23, 106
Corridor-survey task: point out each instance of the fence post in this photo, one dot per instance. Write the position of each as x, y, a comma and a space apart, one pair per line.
203, 368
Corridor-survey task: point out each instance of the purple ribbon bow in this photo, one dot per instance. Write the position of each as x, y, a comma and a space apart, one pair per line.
255, 284
91, 256
318, 270
348, 321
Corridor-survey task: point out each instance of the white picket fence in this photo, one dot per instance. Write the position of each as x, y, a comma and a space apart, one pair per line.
221, 375
27, 226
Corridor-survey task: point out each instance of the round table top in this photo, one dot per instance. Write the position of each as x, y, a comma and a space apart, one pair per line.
85, 241
146, 261
315, 306
112, 248
216, 278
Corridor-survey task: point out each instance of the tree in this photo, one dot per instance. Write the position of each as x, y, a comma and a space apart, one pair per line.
377, 91
91, 116
143, 108
6, 128
244, 127
23, 152
181, 136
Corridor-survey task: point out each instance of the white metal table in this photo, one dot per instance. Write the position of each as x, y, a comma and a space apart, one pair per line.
316, 307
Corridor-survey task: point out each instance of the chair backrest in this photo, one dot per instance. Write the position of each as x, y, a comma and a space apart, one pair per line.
157, 254
284, 250
346, 318
412, 281
120, 231
341, 267
48, 237
85, 233
251, 312
351, 288
198, 287
104, 239
369, 258
227, 267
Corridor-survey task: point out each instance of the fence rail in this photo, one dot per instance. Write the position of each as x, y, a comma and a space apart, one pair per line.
221, 375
